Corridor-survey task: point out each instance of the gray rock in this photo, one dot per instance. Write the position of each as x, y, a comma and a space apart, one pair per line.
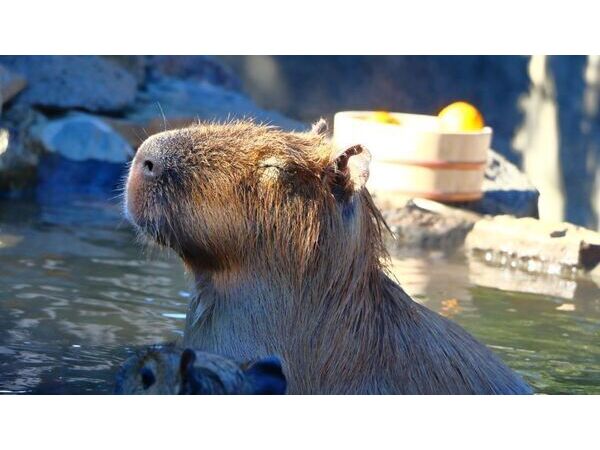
507, 190
199, 68
170, 103
428, 225
62, 82
81, 137
501, 174
535, 245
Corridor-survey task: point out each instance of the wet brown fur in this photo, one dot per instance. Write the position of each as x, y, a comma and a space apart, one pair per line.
288, 258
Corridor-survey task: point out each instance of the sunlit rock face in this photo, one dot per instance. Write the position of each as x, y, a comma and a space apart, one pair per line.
81, 137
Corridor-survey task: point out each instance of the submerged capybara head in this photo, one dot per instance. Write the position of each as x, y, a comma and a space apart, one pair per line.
236, 194
165, 369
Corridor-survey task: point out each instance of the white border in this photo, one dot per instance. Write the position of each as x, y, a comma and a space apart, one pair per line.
299, 27
293, 422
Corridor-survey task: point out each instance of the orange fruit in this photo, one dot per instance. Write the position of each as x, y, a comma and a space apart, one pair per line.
461, 116
383, 117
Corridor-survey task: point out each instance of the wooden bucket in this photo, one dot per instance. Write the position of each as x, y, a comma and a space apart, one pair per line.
415, 157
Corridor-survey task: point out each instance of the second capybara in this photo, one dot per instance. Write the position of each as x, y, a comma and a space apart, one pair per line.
286, 249
167, 369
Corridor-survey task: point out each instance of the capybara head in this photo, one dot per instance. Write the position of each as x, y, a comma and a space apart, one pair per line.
239, 194
165, 369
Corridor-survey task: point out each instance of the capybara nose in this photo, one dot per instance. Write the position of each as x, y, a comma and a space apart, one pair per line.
151, 167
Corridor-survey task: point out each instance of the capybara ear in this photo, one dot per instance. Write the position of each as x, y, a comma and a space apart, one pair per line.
350, 168
266, 377
188, 383
320, 127
188, 357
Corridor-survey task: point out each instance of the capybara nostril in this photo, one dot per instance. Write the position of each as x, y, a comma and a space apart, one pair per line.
148, 165
151, 168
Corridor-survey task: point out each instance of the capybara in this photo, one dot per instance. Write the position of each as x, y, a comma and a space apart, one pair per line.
286, 248
165, 369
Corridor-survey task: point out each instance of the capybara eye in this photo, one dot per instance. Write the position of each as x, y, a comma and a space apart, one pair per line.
148, 378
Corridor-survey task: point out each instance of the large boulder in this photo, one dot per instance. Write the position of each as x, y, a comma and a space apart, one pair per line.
91, 83
82, 137
82, 155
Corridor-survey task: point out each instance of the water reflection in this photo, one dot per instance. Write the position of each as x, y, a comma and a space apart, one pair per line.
75, 293
430, 280
547, 328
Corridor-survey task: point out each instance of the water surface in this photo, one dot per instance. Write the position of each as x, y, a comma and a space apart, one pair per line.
78, 293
